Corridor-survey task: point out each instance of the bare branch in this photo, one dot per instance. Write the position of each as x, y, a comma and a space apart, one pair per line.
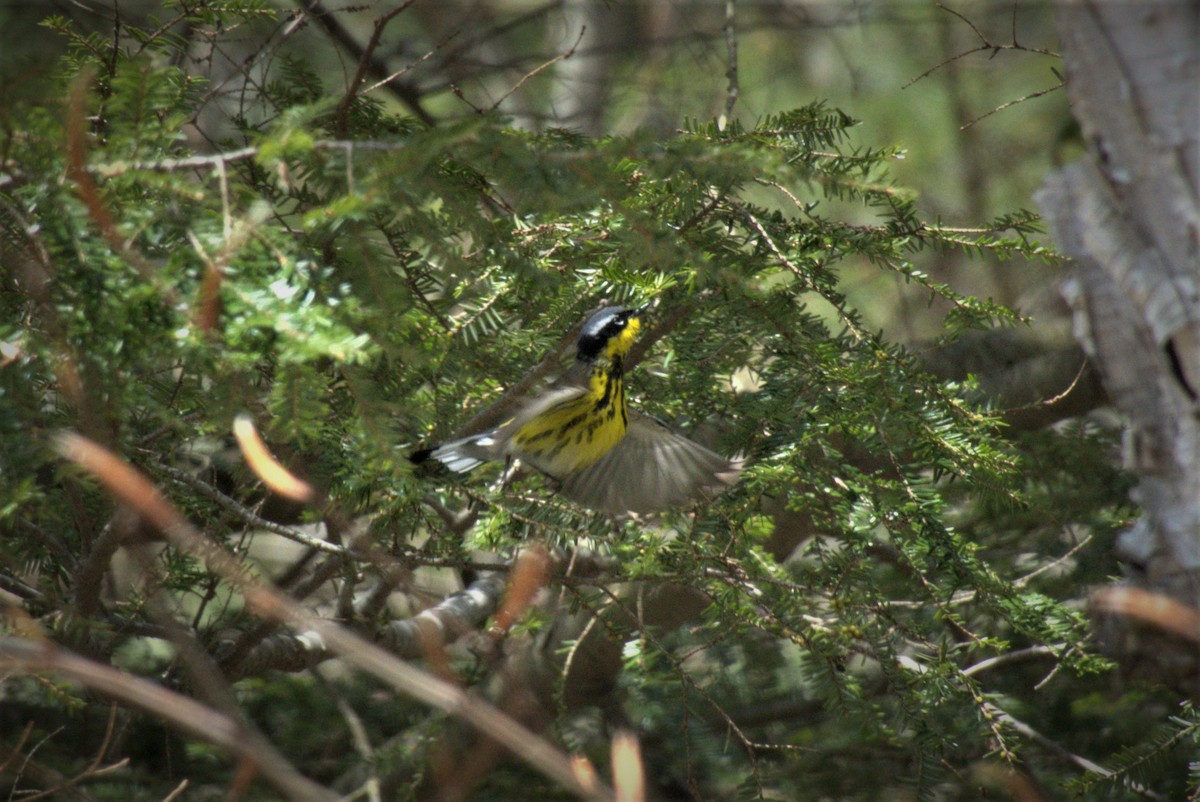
560, 57
456, 615
127, 484
408, 68
1018, 656
250, 519
985, 46
187, 714
1021, 99
341, 114
406, 93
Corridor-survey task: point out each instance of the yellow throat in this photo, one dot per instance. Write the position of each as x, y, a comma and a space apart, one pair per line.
573, 434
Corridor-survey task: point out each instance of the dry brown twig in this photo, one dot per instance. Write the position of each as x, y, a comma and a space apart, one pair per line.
1150, 609
406, 93
55, 785
89, 192
530, 569
1003, 106
188, 715
987, 46
566, 54
131, 487
342, 113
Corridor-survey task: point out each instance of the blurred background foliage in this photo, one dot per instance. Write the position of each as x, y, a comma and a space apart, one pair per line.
889, 602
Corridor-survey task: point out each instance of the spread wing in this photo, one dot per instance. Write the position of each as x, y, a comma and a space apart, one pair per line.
650, 470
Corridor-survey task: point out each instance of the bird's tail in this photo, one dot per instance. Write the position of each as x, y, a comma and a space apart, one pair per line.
462, 455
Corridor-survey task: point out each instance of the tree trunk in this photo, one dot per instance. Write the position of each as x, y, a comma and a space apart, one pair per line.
1127, 213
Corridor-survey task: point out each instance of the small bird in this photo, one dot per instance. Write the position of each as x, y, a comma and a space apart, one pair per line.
581, 433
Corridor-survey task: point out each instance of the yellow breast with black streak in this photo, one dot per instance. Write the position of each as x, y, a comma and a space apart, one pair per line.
574, 433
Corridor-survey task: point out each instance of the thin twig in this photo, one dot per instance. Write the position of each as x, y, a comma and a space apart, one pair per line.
187, 714
400, 73
129, 485
177, 792
985, 46
1050, 566
1044, 403
1018, 656
406, 93
851, 326
998, 714
1050, 745
342, 113
1010, 103
248, 517
560, 57
358, 736
118, 168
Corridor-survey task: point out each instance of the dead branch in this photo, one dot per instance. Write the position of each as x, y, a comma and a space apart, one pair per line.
405, 92
457, 615
184, 713
131, 487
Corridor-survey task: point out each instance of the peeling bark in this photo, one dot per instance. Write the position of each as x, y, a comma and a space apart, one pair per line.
1128, 214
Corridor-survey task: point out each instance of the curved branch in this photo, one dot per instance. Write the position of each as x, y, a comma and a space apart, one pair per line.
456, 615
187, 714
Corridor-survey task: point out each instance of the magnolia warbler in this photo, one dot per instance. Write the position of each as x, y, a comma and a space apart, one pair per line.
581, 433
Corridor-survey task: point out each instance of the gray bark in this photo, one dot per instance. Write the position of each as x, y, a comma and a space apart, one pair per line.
1127, 213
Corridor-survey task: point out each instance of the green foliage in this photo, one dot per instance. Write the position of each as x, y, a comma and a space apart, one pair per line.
376, 290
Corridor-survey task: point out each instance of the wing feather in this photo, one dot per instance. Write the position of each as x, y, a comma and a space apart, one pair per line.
650, 470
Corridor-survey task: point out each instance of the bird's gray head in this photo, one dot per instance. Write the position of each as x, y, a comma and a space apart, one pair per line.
608, 333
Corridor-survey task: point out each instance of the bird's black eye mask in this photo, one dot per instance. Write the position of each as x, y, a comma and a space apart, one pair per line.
599, 329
